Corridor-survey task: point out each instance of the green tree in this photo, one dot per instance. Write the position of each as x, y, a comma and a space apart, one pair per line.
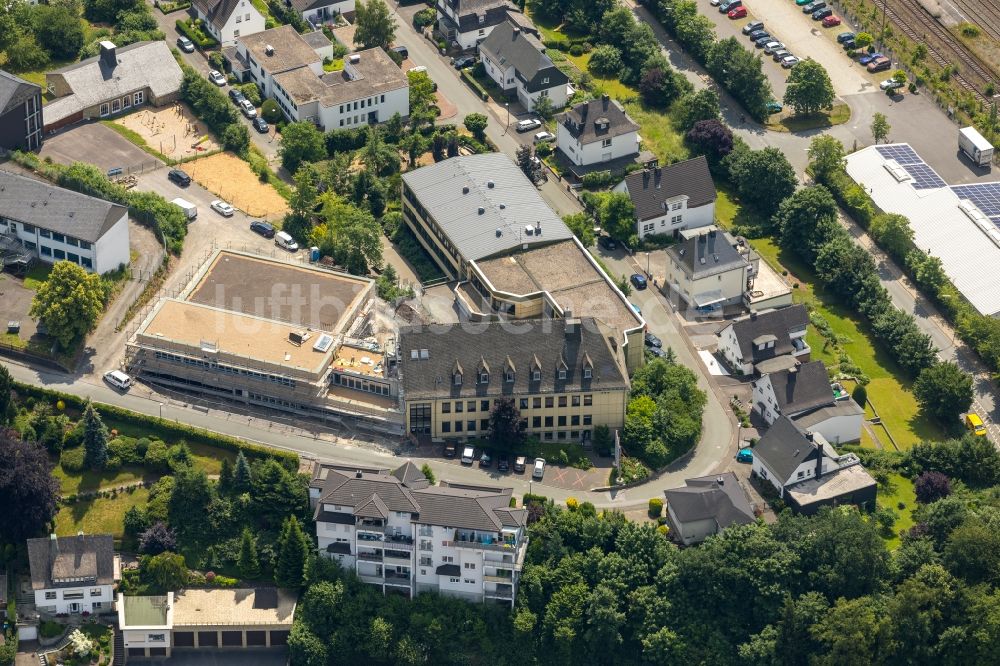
928, 271
428, 473
893, 233
276, 493
505, 432
616, 213
944, 392
242, 477
306, 648
374, 25
95, 439
236, 137
249, 563
764, 178
28, 491
850, 634
6, 397
350, 235
380, 159
543, 108
809, 88
863, 40
422, 99
58, 30
806, 221
107, 11
695, 106
880, 127
476, 123
225, 477
69, 303
299, 221
166, 572
190, 496
606, 62
301, 142
293, 551
826, 156
321, 607
582, 227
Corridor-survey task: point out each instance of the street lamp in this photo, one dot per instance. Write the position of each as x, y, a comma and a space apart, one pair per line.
507, 126
161, 410
647, 264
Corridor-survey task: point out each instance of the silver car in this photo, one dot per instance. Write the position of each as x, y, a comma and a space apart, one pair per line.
217, 78
246, 106
222, 208
771, 47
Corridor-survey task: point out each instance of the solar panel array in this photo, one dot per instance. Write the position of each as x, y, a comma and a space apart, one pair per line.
986, 196
924, 177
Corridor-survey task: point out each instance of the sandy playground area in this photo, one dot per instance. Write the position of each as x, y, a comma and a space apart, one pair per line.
173, 130
232, 180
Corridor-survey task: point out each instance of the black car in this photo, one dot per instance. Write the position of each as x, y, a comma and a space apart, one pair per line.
821, 14
763, 40
656, 352
179, 177
753, 25
813, 7
259, 124
462, 62
849, 44
845, 36
402, 51
236, 96
485, 460
503, 462
757, 34
262, 228
607, 242
653, 341
450, 450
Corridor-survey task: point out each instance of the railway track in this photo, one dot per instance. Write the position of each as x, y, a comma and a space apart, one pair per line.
984, 14
945, 50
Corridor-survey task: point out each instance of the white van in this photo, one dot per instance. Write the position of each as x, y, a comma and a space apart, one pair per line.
418, 68
282, 239
118, 379
468, 454
539, 470
190, 210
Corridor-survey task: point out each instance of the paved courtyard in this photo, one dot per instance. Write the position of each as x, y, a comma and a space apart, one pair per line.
98, 145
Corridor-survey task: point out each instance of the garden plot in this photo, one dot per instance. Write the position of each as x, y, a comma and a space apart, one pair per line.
172, 130
232, 180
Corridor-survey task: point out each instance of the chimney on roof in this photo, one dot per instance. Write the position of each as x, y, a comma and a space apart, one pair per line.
720, 480
108, 56
809, 435
357, 474
517, 31
753, 315
572, 325
268, 50
605, 101
79, 535
465, 189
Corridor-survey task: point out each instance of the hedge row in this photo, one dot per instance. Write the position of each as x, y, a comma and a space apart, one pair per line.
201, 40
476, 86
169, 429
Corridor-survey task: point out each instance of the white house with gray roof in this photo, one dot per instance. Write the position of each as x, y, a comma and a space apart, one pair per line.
671, 198
400, 533
57, 224
468, 22
765, 341
516, 61
225, 20
706, 505
707, 270
73, 574
597, 132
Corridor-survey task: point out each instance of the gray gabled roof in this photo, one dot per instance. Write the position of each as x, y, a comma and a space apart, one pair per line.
809, 419
650, 188
784, 447
353, 490
15, 92
410, 475
596, 120
496, 186
466, 509
47, 206
507, 44
373, 507
218, 11
801, 388
66, 561
779, 323
706, 254
717, 497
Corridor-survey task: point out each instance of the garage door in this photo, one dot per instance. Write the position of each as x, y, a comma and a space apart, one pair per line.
208, 639
183, 639
158, 652
137, 652
256, 638
279, 638
232, 639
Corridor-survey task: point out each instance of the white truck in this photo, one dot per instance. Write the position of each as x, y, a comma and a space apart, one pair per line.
978, 149
190, 210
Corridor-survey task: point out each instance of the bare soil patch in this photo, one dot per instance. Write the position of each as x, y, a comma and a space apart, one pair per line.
232, 180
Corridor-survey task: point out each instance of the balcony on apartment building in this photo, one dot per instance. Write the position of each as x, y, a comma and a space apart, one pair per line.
502, 592
393, 555
398, 578
489, 541
371, 532
501, 576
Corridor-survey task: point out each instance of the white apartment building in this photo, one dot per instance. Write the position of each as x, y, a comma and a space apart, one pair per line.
468, 22
405, 536
73, 574
774, 339
226, 20
57, 224
597, 131
516, 61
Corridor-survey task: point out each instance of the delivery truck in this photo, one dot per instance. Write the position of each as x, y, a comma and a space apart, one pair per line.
978, 149
190, 210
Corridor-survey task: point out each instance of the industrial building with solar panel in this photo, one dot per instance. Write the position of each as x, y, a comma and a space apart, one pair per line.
960, 224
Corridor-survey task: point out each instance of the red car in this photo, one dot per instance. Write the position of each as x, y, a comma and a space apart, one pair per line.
831, 21
738, 13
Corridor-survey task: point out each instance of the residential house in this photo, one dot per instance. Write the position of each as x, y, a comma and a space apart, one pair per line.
484, 224
707, 270
562, 374
399, 533
468, 22
321, 12
515, 59
73, 574
772, 340
706, 505
803, 393
670, 198
20, 114
287, 68
204, 620
597, 132
807, 472
57, 224
117, 80
226, 20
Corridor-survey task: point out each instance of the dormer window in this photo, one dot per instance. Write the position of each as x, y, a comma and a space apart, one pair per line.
587, 373
509, 376
562, 373
536, 376
482, 19
484, 378
458, 379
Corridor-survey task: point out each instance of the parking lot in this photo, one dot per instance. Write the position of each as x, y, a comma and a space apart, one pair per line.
94, 143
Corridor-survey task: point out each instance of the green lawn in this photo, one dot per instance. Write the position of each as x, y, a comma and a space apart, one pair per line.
658, 133
100, 515
838, 115
900, 491
37, 275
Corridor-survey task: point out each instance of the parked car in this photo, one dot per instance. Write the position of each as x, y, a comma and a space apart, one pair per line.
745, 455
449, 450
216, 77
468, 453
503, 463
813, 6
284, 240
803, 2
891, 84
831, 21
179, 177
757, 34
260, 125
236, 95
656, 352
637, 309
975, 424
845, 36
519, 463
246, 106
821, 14
789, 61
760, 43
185, 44
879, 65
118, 379
485, 460
638, 281
222, 208
779, 54
528, 124
715, 3
849, 45
542, 137
653, 341
403, 52
738, 13
462, 62
607, 242
773, 46
752, 26
726, 7
774, 106
539, 469
868, 57
263, 228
